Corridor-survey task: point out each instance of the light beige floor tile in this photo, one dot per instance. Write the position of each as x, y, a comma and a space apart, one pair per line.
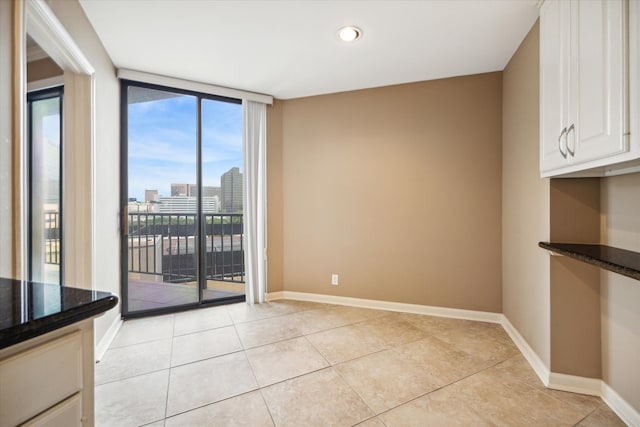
304, 305
490, 381
312, 321
201, 320
245, 410
513, 403
267, 331
243, 312
346, 343
386, 379
445, 363
372, 422
283, 360
204, 345
133, 401
434, 325
208, 381
603, 416
321, 398
394, 330
483, 342
124, 362
136, 331
516, 369
440, 408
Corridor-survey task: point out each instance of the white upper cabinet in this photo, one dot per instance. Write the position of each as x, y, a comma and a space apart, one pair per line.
584, 90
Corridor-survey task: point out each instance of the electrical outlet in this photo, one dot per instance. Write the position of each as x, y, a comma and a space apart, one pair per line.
334, 279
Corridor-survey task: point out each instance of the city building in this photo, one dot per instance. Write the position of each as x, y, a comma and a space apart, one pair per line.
150, 195
231, 186
186, 204
179, 189
210, 191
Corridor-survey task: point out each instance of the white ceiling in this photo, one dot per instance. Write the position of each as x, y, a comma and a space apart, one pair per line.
289, 49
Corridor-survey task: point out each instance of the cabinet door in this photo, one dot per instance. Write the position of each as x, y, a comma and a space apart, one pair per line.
554, 55
65, 414
597, 77
34, 381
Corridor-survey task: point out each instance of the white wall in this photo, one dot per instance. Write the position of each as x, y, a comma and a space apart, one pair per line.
106, 268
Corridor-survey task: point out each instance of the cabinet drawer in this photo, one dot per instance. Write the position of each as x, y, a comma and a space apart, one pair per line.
40, 378
65, 414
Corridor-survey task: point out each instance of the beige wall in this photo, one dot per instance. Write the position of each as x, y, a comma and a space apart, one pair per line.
6, 151
106, 176
620, 296
575, 286
525, 202
397, 190
42, 69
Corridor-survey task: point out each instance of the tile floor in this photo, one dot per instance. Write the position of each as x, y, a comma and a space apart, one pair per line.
292, 363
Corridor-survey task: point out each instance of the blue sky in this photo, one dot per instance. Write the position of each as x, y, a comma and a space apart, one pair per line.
162, 143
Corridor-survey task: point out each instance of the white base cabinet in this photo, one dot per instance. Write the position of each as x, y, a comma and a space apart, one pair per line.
48, 380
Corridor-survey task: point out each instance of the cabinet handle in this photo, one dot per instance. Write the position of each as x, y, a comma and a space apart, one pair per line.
571, 129
564, 153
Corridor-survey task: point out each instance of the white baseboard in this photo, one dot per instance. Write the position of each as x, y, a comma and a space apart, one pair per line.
575, 384
455, 313
532, 357
626, 412
572, 383
274, 296
107, 338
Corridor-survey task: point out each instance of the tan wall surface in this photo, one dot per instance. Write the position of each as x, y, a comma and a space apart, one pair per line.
397, 190
274, 197
106, 270
575, 286
6, 129
620, 296
525, 202
42, 69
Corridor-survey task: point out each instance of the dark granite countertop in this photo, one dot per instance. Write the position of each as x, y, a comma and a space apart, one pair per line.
30, 309
619, 261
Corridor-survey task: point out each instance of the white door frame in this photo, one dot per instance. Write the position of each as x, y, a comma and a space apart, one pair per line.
79, 142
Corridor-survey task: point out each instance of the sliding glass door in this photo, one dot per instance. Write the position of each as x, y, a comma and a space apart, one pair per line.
182, 199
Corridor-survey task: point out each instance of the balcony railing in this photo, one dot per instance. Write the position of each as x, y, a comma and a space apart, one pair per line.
51, 237
165, 244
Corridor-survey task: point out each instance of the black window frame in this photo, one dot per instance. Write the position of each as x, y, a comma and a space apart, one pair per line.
124, 181
32, 96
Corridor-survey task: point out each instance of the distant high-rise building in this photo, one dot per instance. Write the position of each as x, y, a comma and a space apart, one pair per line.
209, 191
192, 190
150, 195
231, 189
187, 205
180, 190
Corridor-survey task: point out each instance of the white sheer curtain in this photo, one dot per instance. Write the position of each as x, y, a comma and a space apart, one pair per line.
254, 144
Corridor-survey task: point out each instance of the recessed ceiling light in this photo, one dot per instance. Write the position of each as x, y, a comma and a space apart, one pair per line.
349, 34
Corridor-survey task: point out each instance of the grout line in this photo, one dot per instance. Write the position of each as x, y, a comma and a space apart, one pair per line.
166, 402
354, 390
266, 405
